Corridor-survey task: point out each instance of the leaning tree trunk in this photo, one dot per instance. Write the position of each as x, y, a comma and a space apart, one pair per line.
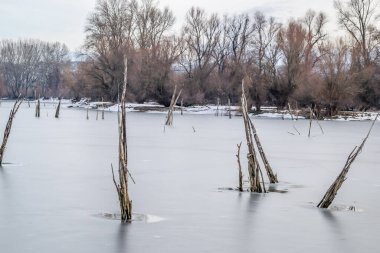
58, 108
312, 115
8, 127
122, 186
173, 102
272, 177
330, 195
256, 184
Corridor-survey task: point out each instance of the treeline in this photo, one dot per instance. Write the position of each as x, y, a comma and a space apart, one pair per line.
292, 62
32, 68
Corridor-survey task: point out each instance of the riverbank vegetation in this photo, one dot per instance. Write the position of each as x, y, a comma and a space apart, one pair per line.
298, 63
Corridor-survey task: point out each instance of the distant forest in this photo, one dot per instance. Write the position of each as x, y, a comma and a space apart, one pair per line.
296, 62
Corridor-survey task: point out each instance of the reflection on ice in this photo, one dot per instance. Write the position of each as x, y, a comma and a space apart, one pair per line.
136, 217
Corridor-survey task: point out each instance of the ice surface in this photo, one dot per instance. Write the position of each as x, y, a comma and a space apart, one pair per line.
50, 201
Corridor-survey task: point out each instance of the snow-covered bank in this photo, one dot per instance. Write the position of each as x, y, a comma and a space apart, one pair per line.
66, 102
355, 116
278, 115
157, 108
267, 112
222, 110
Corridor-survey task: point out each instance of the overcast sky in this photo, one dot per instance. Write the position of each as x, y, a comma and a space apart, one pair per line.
64, 20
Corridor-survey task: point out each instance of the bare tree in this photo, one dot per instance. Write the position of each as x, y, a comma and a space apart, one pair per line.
222, 75
222, 52
358, 18
31, 64
266, 31
156, 53
201, 35
239, 34
334, 67
141, 30
19, 62
273, 61
109, 33
152, 23
315, 36
285, 63
292, 41
54, 58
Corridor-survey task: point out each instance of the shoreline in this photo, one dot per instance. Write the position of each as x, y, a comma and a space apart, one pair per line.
210, 109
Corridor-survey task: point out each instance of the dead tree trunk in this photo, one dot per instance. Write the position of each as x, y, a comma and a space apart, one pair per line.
329, 197
8, 127
291, 115
256, 184
38, 108
272, 177
229, 108
58, 108
173, 102
311, 121
217, 107
122, 186
316, 118
240, 170
312, 115
290, 111
102, 109
182, 106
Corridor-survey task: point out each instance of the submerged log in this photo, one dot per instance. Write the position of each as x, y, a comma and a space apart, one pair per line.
331, 193
122, 186
8, 127
173, 102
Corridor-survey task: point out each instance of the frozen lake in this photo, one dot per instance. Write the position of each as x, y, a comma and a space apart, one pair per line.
58, 183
